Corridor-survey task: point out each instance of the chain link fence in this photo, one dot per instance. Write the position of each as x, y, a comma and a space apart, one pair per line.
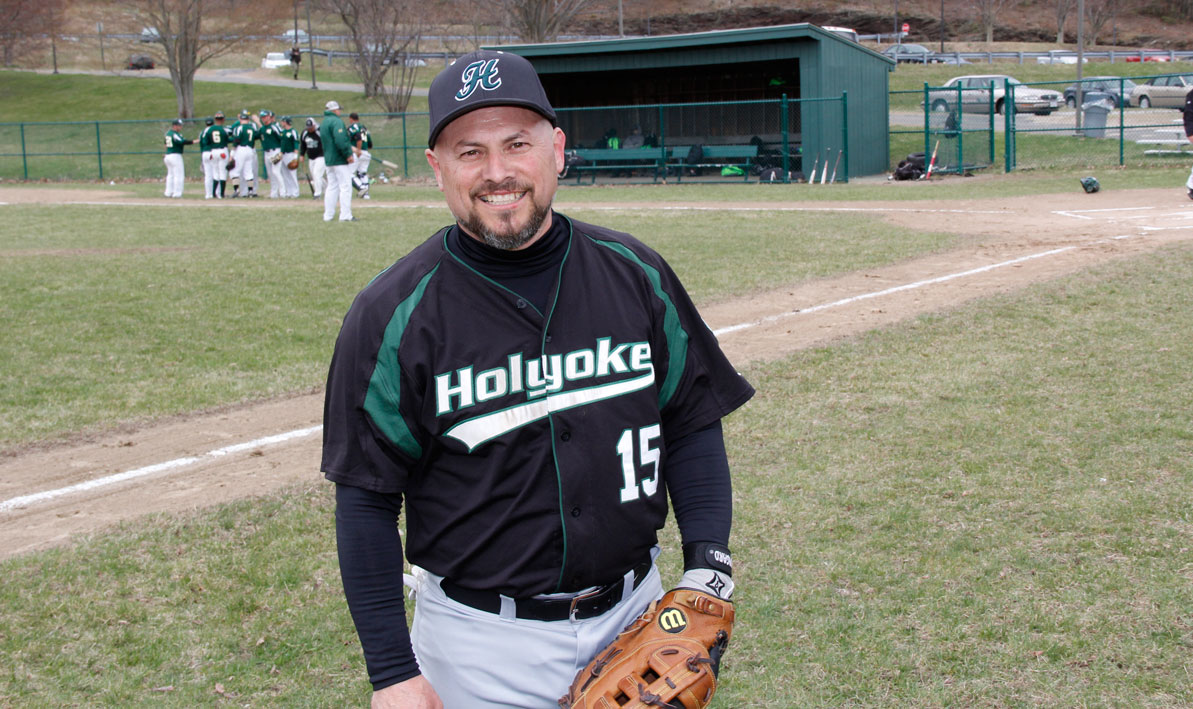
1110, 121
1007, 125
740, 141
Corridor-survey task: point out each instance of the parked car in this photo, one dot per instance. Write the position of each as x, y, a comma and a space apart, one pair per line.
140, 61
955, 59
1060, 56
1148, 58
299, 37
915, 53
150, 34
1120, 89
977, 92
273, 60
1163, 91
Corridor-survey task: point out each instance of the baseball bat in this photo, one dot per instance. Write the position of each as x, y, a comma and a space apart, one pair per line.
833, 180
824, 170
932, 162
390, 165
815, 164
310, 183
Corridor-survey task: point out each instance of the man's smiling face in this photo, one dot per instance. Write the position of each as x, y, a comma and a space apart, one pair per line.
498, 169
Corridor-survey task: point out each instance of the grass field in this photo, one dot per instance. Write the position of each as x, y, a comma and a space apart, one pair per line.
985, 507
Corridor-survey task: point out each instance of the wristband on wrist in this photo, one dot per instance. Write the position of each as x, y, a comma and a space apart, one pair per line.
706, 555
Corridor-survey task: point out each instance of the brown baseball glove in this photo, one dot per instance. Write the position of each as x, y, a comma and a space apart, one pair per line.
669, 657
293, 164
231, 163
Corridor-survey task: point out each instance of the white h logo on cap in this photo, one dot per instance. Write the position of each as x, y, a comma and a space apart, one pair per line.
480, 73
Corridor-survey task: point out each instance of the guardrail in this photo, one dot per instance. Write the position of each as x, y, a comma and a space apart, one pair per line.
1135, 55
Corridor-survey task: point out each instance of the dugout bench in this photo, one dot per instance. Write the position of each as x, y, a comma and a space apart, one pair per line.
618, 160
715, 157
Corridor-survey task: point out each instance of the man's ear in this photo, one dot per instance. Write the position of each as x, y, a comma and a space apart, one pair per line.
434, 163
558, 143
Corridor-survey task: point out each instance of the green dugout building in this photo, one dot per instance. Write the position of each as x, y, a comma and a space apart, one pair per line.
726, 87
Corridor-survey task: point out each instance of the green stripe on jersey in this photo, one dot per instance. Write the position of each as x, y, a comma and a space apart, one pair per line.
383, 399
677, 337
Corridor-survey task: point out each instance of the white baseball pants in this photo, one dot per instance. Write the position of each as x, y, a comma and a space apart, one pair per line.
478, 660
246, 168
362, 162
318, 168
339, 189
274, 171
289, 177
174, 174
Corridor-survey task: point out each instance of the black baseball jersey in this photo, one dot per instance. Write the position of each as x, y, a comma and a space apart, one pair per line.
529, 446
310, 145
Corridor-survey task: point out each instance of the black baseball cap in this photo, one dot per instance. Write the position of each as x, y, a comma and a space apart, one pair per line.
485, 78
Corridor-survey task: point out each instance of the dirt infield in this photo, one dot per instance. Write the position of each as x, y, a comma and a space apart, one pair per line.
194, 461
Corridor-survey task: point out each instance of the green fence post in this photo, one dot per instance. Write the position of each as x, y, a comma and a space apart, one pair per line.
783, 131
24, 155
1122, 112
405, 151
99, 151
1008, 112
927, 122
845, 134
990, 117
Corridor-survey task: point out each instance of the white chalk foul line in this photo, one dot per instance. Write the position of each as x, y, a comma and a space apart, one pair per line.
888, 291
170, 465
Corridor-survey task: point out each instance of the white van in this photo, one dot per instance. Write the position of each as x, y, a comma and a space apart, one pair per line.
846, 32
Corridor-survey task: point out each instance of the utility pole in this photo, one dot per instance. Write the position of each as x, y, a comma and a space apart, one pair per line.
898, 34
1078, 95
942, 26
310, 45
620, 21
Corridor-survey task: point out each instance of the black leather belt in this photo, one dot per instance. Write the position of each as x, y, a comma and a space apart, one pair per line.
585, 605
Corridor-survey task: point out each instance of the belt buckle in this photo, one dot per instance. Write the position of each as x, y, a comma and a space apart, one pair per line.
572, 609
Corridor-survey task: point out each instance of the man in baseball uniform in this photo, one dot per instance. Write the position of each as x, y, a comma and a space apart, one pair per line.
289, 141
245, 134
217, 158
534, 390
175, 174
205, 157
338, 156
271, 150
362, 142
310, 146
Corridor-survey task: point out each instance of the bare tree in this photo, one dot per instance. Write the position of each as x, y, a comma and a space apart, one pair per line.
190, 33
20, 23
1099, 13
1063, 8
542, 20
384, 35
987, 15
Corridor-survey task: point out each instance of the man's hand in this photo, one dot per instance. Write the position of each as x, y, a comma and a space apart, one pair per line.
414, 693
351, 159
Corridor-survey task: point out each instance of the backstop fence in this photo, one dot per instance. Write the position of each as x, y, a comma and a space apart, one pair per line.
1007, 125
739, 141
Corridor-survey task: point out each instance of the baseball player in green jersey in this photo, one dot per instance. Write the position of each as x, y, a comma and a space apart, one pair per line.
271, 148
173, 159
213, 144
245, 135
338, 156
362, 142
289, 141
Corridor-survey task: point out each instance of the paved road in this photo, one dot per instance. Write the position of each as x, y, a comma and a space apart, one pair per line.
258, 77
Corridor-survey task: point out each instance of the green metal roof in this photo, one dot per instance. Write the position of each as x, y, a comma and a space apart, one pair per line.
712, 38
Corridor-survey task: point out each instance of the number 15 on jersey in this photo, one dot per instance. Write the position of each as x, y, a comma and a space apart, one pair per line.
647, 455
